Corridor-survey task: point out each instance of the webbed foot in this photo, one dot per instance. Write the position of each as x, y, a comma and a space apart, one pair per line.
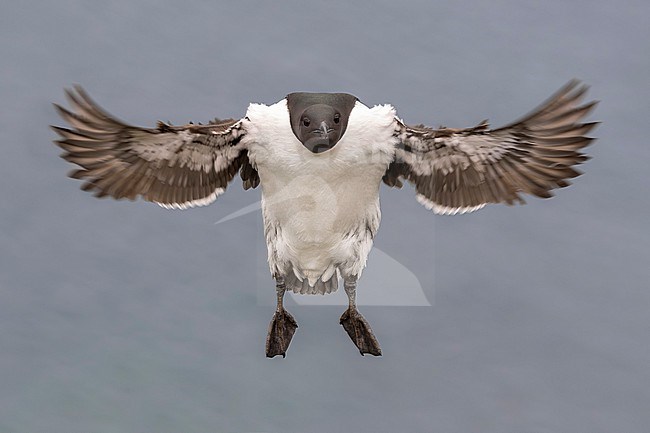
360, 332
281, 330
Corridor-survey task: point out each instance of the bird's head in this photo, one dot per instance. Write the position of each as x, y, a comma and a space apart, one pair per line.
320, 127
319, 120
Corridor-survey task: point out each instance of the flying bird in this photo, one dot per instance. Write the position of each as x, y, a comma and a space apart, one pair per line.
320, 159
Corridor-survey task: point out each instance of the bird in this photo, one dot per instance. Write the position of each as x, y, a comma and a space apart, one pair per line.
320, 160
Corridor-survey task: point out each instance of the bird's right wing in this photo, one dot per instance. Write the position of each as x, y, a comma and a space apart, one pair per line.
173, 166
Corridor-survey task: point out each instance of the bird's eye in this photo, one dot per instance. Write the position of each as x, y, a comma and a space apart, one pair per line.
306, 121
337, 118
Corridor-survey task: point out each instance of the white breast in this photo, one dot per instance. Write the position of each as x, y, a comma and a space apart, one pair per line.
320, 210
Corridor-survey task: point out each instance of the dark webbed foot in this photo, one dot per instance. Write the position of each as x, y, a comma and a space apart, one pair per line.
360, 332
281, 330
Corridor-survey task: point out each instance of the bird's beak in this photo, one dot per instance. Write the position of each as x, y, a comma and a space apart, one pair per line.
320, 139
324, 129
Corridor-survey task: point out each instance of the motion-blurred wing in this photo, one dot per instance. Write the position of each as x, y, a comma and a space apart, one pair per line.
174, 166
461, 170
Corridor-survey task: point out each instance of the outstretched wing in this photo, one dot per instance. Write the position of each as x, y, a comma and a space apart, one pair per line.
461, 170
174, 166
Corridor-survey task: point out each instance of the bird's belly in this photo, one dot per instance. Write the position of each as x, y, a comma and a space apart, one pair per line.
316, 213
314, 210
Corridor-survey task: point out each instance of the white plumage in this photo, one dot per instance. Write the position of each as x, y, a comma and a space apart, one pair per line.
320, 211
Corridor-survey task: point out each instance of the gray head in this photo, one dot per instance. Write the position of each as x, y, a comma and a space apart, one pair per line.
319, 120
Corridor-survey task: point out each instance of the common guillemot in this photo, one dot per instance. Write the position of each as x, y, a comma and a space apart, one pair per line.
320, 159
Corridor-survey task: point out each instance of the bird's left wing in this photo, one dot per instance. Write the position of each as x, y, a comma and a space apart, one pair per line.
174, 166
461, 170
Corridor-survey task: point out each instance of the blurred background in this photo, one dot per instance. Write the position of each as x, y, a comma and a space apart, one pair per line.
125, 317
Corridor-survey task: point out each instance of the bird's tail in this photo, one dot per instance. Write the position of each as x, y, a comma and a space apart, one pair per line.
303, 287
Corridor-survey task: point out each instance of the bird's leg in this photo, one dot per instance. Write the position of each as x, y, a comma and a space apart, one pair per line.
356, 325
282, 326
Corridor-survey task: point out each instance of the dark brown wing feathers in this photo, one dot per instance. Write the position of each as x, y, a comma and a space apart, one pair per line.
461, 170
174, 166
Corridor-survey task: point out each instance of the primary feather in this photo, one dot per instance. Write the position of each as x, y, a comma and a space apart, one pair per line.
174, 166
462, 170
